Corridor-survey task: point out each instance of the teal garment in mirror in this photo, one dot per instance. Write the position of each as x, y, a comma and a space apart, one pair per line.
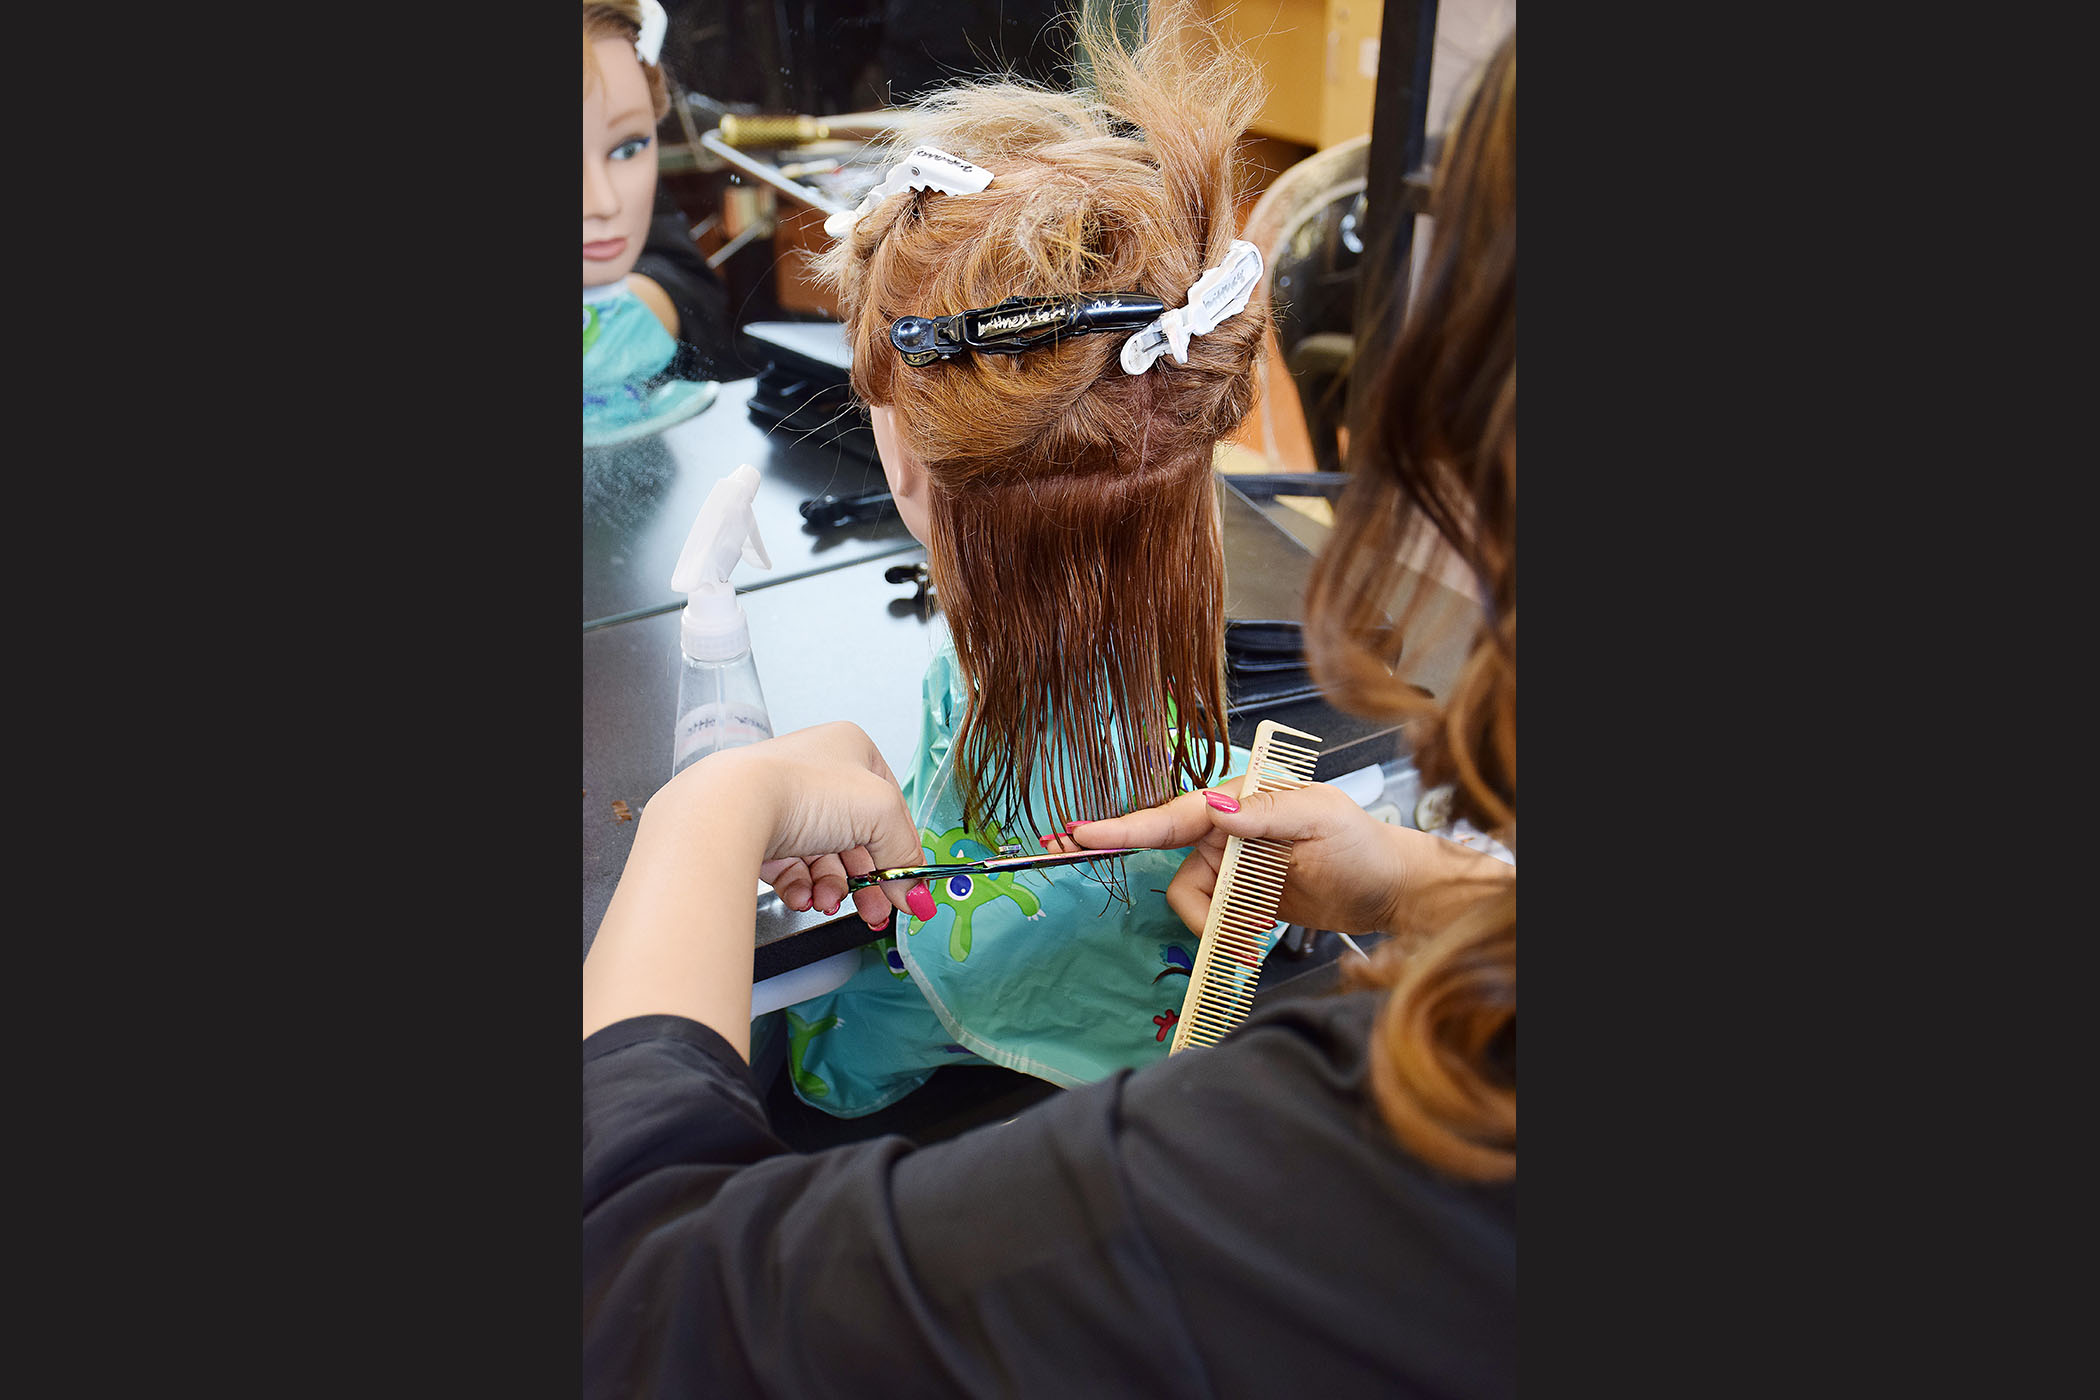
624, 348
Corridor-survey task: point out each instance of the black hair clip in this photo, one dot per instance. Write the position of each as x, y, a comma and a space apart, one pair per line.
830, 512
923, 602
1020, 323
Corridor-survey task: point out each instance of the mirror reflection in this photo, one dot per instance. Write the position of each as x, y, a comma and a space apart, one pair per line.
710, 173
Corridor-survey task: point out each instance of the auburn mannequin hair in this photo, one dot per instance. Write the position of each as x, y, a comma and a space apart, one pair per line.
620, 19
1072, 510
1439, 448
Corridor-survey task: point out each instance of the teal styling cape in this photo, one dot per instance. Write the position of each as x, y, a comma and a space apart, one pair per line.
1043, 971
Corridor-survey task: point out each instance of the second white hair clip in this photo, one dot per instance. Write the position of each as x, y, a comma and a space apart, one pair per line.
1221, 292
649, 44
926, 168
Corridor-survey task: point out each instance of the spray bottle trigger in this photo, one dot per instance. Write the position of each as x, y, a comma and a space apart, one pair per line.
754, 546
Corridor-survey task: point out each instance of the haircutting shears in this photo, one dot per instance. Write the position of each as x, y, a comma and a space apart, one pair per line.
995, 866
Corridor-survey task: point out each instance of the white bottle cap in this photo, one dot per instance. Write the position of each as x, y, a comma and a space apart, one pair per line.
712, 628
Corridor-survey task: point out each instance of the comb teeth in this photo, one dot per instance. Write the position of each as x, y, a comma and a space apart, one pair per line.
1243, 905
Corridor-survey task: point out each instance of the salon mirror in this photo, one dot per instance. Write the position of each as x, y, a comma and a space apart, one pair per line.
777, 112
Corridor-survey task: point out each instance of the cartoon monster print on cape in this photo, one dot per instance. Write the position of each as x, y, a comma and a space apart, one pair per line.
891, 958
965, 893
1177, 960
800, 1034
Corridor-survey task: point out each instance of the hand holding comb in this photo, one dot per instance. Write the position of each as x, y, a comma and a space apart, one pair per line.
1243, 903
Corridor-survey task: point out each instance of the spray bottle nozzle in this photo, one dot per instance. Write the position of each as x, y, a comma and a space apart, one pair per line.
725, 531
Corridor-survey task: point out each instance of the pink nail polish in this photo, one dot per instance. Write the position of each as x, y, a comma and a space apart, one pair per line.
1070, 825
832, 910
1224, 802
1047, 840
920, 900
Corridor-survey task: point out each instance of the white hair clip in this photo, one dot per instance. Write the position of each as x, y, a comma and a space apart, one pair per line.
1221, 292
650, 42
926, 168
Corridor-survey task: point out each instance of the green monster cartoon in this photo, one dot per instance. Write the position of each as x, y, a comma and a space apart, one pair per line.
891, 959
800, 1034
964, 893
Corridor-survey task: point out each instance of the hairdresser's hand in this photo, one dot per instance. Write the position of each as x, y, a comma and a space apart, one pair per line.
833, 810
676, 939
1349, 871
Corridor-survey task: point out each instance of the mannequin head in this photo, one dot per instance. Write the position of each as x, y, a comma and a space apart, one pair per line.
623, 99
1068, 508
904, 472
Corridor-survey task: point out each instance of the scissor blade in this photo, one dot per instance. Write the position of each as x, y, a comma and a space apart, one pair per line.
1004, 863
997, 866
913, 872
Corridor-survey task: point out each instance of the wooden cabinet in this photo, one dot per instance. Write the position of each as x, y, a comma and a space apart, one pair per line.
1320, 58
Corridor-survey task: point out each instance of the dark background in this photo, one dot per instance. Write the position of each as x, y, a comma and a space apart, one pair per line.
824, 56
332, 1065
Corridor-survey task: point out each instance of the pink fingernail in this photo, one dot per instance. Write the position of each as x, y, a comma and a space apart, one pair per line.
881, 926
1070, 825
920, 900
1224, 802
1047, 840
832, 910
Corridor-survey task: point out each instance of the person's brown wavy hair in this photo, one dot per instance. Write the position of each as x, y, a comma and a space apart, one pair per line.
1075, 538
620, 19
1439, 449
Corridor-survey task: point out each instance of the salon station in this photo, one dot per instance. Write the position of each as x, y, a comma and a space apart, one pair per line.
778, 124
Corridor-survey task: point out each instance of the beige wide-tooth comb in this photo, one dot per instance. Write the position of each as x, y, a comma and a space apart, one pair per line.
1243, 906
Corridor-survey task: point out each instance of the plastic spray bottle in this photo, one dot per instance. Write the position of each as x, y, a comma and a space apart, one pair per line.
719, 702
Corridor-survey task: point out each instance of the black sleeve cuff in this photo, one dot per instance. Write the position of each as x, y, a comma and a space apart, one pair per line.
666, 1093
664, 1026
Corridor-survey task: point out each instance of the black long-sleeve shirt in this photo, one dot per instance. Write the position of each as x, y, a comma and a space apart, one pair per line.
1236, 1220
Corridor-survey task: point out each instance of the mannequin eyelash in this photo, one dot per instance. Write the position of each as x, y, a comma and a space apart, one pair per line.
1020, 324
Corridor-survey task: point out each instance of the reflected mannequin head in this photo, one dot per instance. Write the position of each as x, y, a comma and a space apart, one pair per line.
623, 99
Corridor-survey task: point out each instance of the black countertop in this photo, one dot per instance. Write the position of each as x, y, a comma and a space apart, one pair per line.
640, 499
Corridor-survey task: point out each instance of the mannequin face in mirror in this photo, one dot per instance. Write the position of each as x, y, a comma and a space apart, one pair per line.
901, 469
619, 164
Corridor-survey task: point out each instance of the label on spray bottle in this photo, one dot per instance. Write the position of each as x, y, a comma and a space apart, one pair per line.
718, 724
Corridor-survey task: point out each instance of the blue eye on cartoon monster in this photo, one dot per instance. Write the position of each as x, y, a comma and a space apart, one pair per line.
895, 961
958, 887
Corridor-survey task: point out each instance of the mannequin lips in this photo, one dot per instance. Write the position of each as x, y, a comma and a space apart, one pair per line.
605, 250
